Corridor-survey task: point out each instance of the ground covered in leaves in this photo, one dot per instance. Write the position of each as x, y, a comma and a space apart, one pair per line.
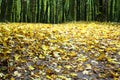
70, 51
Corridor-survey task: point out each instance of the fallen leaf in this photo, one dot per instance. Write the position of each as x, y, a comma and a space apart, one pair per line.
12, 78
85, 72
68, 67
72, 54
41, 56
44, 47
88, 66
73, 74
16, 56
112, 60
31, 67
16, 73
1, 74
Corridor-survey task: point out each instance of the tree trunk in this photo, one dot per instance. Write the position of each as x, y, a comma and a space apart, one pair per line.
3, 10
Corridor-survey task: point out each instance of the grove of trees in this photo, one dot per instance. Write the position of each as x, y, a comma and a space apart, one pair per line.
58, 11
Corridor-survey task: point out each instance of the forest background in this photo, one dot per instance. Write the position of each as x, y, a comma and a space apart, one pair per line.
59, 11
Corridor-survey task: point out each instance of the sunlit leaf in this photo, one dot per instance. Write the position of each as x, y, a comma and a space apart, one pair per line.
31, 67
20, 36
73, 74
68, 66
48, 77
85, 72
12, 78
101, 56
112, 60
118, 44
1, 74
1, 35
72, 54
82, 58
114, 73
88, 66
16, 73
62, 77
56, 54
41, 56
16, 56
44, 47
119, 52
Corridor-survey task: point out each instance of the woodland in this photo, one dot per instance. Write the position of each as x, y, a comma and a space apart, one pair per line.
59, 11
59, 40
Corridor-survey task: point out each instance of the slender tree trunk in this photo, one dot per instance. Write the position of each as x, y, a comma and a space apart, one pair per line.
9, 10
33, 10
78, 10
23, 17
3, 10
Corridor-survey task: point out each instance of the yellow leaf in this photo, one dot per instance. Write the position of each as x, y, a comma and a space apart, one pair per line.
44, 47
8, 51
49, 71
73, 74
56, 54
31, 67
41, 56
6, 28
48, 77
82, 58
16, 56
85, 72
4, 44
62, 77
12, 78
73, 54
68, 67
114, 73
41, 67
18, 35
101, 56
1, 35
119, 53
118, 45
6, 38
16, 73
30, 53
112, 60
88, 66
115, 78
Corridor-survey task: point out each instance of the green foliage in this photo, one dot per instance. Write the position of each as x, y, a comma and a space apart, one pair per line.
58, 11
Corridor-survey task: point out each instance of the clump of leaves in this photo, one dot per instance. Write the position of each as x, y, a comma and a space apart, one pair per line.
60, 51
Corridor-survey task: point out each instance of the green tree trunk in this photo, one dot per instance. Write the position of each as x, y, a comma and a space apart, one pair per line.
39, 10
72, 10
57, 11
15, 11
23, 16
3, 10
9, 10
33, 10
78, 10
51, 11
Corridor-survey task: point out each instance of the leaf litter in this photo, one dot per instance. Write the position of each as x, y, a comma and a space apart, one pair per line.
69, 51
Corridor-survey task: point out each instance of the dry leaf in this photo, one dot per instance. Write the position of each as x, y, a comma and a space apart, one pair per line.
44, 47
31, 67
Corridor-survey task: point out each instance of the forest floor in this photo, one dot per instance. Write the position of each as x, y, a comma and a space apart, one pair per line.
69, 51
